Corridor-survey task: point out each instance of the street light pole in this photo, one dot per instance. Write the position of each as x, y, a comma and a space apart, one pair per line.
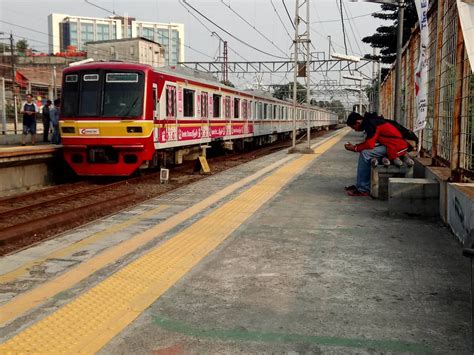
12, 58
398, 67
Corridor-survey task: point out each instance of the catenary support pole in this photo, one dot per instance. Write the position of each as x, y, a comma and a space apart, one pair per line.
398, 76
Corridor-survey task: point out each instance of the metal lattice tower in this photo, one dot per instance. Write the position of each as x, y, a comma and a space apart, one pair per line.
302, 58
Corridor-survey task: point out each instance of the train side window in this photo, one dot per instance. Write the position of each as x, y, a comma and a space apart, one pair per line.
155, 97
188, 103
204, 105
216, 105
244, 110
170, 101
236, 108
227, 107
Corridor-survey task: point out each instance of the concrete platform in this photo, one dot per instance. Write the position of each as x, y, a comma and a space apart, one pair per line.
269, 257
26, 168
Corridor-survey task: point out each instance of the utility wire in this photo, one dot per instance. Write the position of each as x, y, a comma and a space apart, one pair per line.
347, 18
100, 7
255, 28
230, 34
49, 35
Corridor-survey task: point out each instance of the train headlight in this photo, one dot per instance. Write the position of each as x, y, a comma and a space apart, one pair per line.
134, 129
68, 130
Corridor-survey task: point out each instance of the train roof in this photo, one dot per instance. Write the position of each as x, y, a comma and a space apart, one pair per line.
181, 72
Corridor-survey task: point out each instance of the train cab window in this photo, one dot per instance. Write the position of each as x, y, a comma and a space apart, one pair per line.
275, 108
89, 95
265, 111
204, 105
236, 108
123, 95
216, 105
170, 101
70, 95
250, 109
188, 110
245, 109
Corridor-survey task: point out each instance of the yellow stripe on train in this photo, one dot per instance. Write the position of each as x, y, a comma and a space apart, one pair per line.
106, 128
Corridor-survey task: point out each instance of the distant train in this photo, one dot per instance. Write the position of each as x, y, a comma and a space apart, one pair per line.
118, 117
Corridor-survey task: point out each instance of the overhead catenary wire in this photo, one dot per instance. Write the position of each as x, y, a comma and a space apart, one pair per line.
229, 33
281, 20
288, 13
253, 27
352, 28
342, 24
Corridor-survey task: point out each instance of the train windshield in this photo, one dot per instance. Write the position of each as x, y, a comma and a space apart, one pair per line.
103, 94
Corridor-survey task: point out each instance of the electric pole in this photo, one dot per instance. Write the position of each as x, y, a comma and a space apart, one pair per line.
398, 68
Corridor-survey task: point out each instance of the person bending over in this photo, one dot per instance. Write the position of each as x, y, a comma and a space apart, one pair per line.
383, 140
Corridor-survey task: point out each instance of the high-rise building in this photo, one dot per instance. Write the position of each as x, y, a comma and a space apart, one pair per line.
68, 30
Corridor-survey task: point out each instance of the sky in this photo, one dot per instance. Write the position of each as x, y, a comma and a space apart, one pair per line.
263, 24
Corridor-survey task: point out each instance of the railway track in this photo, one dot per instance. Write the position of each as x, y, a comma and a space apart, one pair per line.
33, 217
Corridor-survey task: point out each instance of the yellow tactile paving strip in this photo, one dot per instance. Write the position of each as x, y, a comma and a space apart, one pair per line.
31, 299
87, 323
80, 245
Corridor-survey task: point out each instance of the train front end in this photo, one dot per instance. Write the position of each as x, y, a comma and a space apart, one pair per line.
105, 126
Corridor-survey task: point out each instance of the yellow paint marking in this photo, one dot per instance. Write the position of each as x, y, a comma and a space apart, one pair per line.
71, 249
88, 322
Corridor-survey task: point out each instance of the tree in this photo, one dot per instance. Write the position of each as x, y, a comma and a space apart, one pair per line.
285, 92
227, 83
22, 46
385, 37
335, 106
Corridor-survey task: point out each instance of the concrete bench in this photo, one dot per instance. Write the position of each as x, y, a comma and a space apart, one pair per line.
413, 197
379, 179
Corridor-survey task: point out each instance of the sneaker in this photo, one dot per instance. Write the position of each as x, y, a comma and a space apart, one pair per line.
351, 187
397, 162
357, 192
374, 162
385, 161
409, 162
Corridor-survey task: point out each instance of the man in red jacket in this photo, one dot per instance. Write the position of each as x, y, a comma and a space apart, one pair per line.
383, 140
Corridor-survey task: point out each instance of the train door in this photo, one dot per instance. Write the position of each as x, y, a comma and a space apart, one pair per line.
245, 116
156, 111
227, 114
206, 104
170, 124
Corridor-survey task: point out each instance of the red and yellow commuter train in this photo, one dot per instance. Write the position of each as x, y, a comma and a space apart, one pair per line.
117, 117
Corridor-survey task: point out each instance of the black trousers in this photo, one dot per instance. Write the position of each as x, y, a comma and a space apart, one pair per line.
46, 123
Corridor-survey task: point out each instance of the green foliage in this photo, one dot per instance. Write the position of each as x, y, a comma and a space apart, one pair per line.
285, 92
22, 46
386, 36
227, 83
335, 106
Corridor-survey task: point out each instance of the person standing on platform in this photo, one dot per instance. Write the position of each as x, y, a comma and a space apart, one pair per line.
54, 115
46, 120
29, 111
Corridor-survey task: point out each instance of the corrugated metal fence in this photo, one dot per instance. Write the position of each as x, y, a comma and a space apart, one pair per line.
448, 136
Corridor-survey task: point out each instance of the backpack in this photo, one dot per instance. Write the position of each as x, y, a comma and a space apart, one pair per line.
408, 135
